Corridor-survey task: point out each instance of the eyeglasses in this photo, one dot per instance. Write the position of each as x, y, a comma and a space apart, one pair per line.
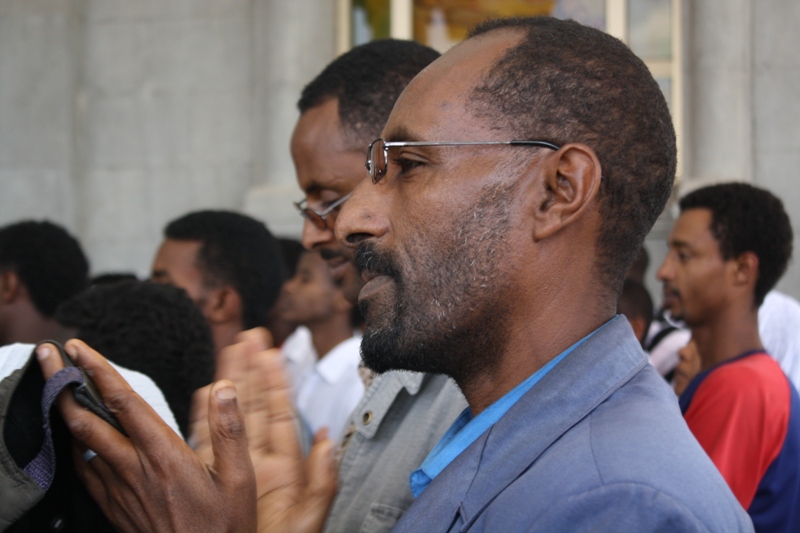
317, 218
378, 151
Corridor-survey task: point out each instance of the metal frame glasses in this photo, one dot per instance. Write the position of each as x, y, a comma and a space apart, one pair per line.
378, 151
317, 218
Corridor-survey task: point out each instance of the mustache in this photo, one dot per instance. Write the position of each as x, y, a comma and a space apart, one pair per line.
370, 259
669, 290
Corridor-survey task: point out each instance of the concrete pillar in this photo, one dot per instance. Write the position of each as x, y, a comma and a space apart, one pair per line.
292, 43
37, 89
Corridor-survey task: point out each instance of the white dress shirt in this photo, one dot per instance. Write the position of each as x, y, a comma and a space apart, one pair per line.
299, 357
332, 390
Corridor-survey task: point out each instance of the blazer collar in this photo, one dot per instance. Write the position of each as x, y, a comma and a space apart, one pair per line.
566, 395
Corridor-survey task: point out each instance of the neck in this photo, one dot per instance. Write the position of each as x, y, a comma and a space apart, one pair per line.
28, 325
732, 333
328, 334
531, 344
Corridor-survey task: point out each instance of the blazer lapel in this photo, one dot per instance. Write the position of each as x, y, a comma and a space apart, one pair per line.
566, 395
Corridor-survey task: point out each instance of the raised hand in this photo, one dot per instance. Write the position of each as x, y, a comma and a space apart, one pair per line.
294, 494
151, 480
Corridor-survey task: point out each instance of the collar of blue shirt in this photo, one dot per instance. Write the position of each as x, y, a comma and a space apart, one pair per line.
466, 429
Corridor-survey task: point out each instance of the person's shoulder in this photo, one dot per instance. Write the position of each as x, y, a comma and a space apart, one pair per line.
14, 357
639, 442
634, 507
752, 376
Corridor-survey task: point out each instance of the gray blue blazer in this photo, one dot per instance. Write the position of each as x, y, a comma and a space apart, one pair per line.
599, 444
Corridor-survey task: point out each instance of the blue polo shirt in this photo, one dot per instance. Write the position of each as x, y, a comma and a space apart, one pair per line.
466, 429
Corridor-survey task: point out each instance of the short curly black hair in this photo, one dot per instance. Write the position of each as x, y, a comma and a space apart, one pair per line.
48, 260
367, 81
153, 328
237, 250
569, 83
748, 219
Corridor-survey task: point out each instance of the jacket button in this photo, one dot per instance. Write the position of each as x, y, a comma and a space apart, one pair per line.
366, 418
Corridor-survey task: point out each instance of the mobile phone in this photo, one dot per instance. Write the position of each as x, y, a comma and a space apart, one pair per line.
86, 394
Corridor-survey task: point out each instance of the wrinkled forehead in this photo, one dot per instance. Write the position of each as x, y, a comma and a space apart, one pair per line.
437, 101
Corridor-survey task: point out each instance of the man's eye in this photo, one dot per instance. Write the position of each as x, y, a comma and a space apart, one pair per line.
406, 165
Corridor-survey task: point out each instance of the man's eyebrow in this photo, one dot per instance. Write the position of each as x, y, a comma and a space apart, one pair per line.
677, 243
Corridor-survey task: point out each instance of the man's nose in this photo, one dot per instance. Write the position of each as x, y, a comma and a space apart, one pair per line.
365, 215
665, 270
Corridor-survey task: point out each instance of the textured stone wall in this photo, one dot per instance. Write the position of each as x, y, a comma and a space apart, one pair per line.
119, 115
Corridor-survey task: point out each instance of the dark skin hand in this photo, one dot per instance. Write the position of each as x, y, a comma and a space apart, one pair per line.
152, 481
294, 494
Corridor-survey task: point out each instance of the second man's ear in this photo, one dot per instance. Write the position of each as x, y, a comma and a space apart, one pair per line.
571, 181
10, 286
746, 266
224, 304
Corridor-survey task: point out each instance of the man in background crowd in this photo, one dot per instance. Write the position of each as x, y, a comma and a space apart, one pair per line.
228, 263
281, 330
41, 266
637, 306
729, 247
332, 387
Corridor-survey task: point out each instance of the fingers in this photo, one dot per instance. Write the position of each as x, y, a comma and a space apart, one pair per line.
89, 429
320, 487
234, 360
49, 364
141, 422
276, 425
229, 440
261, 337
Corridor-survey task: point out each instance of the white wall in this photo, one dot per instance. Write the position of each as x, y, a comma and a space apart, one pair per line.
117, 116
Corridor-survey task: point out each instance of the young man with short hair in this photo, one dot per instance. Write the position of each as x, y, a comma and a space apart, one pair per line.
332, 387
41, 267
229, 263
730, 245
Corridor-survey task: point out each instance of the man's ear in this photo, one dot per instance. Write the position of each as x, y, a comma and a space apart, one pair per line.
569, 184
745, 269
11, 287
224, 304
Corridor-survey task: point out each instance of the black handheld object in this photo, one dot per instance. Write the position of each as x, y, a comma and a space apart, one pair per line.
86, 394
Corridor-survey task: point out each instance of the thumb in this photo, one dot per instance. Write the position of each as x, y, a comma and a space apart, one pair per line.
320, 488
229, 441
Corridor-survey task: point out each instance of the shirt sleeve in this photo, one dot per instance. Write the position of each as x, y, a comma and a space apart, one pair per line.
740, 416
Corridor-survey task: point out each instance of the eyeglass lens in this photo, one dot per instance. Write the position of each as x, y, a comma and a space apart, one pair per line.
376, 161
315, 218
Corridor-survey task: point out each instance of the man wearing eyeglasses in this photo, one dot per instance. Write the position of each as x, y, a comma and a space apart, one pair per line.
403, 414
509, 192
493, 262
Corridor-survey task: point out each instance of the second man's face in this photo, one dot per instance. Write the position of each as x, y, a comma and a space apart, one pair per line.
694, 273
328, 168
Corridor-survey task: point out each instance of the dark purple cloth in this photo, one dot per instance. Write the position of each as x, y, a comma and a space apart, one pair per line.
43, 467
